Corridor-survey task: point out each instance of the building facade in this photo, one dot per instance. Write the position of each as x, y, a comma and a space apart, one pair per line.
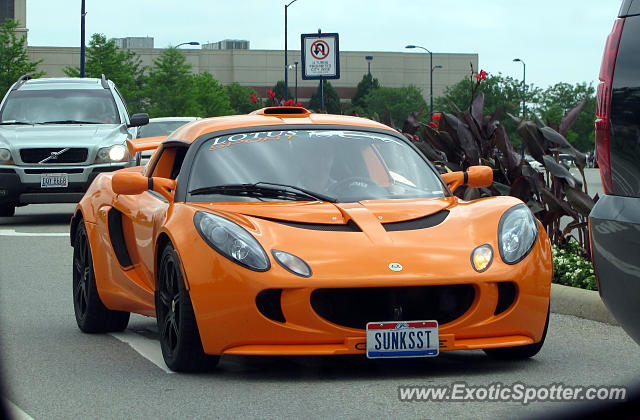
16, 10
262, 69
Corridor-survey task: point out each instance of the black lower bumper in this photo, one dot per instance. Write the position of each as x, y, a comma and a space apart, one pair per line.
13, 191
614, 226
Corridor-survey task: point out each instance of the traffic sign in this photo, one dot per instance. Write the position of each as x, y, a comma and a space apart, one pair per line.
320, 56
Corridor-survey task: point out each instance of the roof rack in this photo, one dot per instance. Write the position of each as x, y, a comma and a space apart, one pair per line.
104, 83
21, 81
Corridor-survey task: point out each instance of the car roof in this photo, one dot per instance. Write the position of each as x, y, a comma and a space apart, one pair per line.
49, 83
160, 119
267, 117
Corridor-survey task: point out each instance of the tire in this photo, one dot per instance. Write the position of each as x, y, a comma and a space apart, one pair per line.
7, 210
179, 336
519, 352
91, 314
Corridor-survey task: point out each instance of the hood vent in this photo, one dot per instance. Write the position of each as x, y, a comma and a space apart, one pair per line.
327, 227
420, 223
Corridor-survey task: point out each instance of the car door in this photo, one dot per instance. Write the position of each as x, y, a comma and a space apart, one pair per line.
134, 222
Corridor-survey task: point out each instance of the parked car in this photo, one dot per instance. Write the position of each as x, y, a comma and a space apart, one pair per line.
158, 129
566, 159
163, 126
614, 222
534, 163
291, 233
56, 135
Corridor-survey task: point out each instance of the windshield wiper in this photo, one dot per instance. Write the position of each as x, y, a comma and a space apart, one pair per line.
10, 122
69, 122
263, 189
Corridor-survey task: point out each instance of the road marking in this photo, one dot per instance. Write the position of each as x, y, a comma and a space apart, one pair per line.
12, 232
149, 349
16, 413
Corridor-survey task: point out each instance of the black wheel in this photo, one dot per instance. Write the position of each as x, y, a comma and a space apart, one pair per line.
7, 210
179, 336
519, 352
91, 314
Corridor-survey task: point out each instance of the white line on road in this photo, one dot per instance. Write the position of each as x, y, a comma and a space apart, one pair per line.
12, 232
149, 349
16, 413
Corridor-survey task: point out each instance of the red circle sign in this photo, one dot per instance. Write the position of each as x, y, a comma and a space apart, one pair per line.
319, 49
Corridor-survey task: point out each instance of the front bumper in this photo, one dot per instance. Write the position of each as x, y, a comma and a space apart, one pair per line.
21, 184
614, 228
231, 322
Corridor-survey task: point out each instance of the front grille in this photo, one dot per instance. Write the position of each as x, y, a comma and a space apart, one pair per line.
506, 296
355, 307
54, 170
268, 303
73, 155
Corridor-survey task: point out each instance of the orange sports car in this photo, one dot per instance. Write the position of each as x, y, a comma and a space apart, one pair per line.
284, 232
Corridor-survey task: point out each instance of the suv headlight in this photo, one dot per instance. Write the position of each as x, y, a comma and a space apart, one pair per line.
517, 232
5, 156
116, 153
232, 241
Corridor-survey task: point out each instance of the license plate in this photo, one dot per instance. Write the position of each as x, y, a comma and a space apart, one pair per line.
54, 180
402, 339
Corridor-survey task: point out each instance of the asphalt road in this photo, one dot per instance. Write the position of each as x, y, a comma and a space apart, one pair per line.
53, 371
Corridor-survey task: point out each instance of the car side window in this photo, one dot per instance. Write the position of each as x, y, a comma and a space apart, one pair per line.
169, 162
122, 105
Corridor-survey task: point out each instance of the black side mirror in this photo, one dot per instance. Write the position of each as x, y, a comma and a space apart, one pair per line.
137, 120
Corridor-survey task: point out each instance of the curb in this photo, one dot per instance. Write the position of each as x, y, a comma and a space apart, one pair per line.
578, 302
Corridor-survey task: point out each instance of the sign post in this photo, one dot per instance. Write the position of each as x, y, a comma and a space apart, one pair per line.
320, 58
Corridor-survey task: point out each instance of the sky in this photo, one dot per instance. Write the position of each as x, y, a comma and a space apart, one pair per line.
558, 40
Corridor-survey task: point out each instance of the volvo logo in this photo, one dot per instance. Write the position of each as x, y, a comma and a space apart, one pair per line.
53, 156
395, 267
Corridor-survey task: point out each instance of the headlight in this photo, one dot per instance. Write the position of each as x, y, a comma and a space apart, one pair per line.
232, 241
117, 153
481, 257
291, 263
5, 156
517, 232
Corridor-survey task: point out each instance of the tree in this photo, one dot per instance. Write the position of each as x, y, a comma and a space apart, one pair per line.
170, 86
211, 96
558, 99
331, 99
122, 67
279, 91
365, 86
14, 61
399, 101
240, 98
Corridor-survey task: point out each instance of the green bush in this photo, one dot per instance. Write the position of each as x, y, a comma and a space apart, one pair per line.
570, 268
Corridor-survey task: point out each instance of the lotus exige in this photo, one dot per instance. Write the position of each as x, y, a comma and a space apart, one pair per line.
289, 233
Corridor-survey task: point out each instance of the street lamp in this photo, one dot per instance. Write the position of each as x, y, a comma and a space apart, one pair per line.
524, 93
188, 43
82, 47
295, 66
286, 78
369, 58
430, 74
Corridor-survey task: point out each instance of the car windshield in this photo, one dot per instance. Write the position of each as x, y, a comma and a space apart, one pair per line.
160, 128
56, 106
342, 166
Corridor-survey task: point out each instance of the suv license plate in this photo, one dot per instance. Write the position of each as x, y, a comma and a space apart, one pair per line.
402, 339
54, 180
